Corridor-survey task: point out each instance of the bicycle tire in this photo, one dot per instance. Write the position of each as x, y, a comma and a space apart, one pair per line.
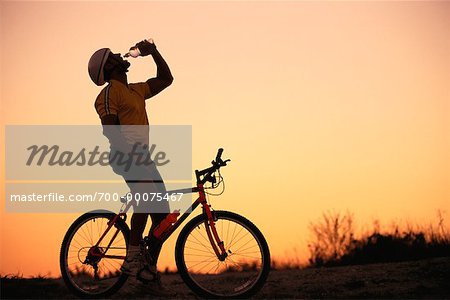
76, 225
204, 291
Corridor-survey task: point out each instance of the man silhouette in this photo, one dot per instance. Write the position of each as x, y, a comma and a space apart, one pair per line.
121, 103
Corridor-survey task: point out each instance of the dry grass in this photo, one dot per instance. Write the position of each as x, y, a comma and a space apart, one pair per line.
334, 241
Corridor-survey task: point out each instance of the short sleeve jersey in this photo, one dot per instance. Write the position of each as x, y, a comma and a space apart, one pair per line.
127, 103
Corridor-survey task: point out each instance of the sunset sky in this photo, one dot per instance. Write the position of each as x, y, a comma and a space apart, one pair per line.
320, 105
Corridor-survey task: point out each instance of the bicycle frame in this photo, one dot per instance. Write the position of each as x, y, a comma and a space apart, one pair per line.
216, 242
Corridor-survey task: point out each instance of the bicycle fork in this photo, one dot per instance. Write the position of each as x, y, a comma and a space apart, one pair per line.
210, 225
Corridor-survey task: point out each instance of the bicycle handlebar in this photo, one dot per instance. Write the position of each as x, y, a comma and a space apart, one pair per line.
208, 172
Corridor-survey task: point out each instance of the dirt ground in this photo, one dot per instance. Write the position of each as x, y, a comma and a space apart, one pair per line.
429, 279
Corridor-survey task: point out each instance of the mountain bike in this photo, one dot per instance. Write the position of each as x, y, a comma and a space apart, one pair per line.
219, 254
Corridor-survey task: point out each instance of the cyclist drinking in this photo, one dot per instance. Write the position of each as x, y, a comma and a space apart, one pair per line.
123, 103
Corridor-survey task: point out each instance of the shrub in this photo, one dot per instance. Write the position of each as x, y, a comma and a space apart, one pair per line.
334, 242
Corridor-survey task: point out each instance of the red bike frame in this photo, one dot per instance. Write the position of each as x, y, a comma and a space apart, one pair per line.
216, 242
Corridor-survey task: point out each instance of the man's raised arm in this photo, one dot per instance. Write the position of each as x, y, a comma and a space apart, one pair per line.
163, 77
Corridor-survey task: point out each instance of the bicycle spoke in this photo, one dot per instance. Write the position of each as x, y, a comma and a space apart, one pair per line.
78, 244
200, 250
237, 234
84, 236
218, 266
89, 231
116, 242
228, 230
99, 227
210, 261
201, 255
203, 245
245, 255
234, 230
191, 261
210, 269
241, 251
250, 240
201, 234
90, 224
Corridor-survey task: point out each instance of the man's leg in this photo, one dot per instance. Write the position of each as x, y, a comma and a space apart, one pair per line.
133, 262
138, 222
158, 210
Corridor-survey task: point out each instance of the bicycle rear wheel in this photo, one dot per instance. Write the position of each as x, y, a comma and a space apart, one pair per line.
242, 273
84, 267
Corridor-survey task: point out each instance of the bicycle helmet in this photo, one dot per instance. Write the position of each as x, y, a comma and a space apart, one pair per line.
96, 64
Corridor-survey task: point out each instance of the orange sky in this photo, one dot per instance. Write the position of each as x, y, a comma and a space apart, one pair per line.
320, 105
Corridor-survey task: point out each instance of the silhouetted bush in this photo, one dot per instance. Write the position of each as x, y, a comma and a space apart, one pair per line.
333, 237
334, 243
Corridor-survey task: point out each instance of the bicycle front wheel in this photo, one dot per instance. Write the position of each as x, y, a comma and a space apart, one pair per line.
241, 274
91, 269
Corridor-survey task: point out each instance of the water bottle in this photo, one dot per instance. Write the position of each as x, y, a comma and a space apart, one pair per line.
134, 51
166, 224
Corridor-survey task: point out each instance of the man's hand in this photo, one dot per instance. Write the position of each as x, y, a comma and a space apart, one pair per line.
146, 47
